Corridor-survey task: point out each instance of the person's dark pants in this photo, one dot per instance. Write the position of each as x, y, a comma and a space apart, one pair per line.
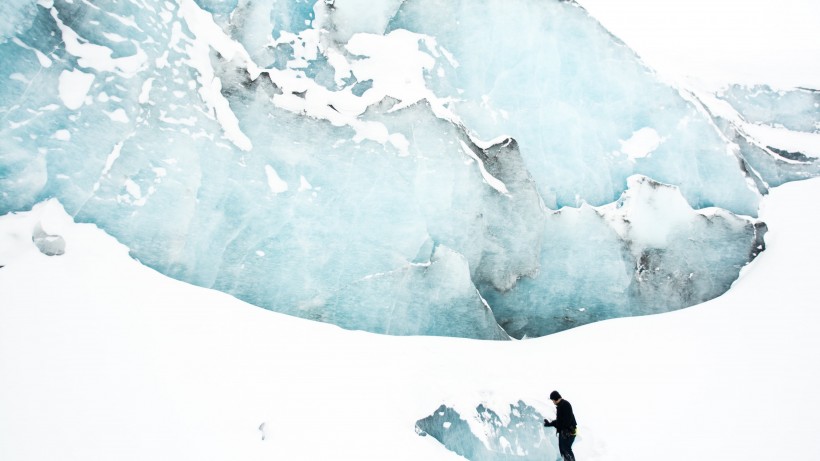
565, 446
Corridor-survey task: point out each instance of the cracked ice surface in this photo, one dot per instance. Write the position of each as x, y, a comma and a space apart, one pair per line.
480, 169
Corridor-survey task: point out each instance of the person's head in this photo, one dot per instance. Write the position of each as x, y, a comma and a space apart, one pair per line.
555, 397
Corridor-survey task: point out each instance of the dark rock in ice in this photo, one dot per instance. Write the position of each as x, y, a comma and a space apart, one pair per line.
796, 156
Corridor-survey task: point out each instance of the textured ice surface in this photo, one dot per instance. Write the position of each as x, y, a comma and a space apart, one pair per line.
479, 169
49, 245
648, 252
777, 132
485, 435
797, 109
548, 64
17, 15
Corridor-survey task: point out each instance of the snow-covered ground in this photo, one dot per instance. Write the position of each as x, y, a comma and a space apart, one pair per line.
774, 42
103, 358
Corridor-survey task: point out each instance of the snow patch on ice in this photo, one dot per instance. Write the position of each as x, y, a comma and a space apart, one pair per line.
276, 184
494, 182
73, 87
641, 144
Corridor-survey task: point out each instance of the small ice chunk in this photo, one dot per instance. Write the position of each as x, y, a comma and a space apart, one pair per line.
49, 245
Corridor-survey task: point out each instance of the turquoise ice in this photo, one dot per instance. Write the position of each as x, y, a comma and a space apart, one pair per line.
483, 169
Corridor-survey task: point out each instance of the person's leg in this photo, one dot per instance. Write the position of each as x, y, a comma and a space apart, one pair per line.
565, 446
570, 441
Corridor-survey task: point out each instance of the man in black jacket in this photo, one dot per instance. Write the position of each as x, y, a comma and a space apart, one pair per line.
565, 425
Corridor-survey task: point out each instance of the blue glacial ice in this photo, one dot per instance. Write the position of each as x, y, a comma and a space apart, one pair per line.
484, 434
797, 109
551, 65
760, 111
486, 169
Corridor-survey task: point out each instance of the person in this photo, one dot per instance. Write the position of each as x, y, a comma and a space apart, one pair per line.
564, 424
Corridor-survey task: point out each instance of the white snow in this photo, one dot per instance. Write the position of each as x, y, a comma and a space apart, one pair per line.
641, 144
304, 184
210, 36
394, 62
97, 351
95, 56
118, 115
133, 188
277, 185
62, 135
44, 60
103, 358
73, 87
794, 141
775, 42
145, 91
653, 214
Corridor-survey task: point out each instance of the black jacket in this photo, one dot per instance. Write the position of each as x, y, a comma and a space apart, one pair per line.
564, 418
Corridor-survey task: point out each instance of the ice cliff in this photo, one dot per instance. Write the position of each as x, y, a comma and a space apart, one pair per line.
486, 169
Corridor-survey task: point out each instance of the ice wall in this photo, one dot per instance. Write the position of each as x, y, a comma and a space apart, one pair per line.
371, 165
537, 65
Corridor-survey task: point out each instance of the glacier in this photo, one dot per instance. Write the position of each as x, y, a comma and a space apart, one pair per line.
491, 170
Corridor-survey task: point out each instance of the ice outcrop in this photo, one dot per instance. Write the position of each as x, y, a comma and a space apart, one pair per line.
492, 169
486, 435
